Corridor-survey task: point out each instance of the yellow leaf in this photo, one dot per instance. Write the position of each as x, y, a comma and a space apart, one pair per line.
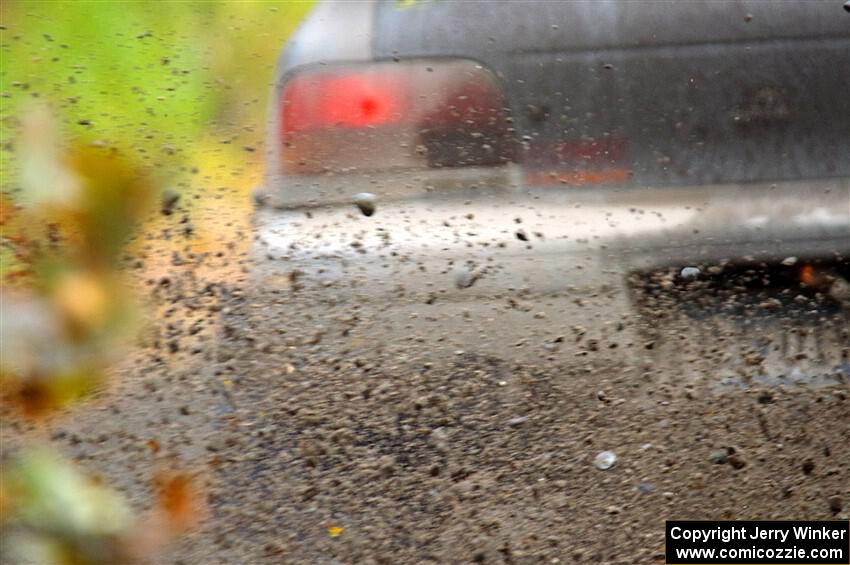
335, 531
83, 298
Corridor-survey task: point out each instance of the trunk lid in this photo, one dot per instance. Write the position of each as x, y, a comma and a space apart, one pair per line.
636, 93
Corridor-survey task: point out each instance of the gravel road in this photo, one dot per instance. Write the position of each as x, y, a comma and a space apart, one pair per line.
325, 434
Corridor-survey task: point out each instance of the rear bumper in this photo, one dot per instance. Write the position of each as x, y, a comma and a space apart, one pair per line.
310, 191
575, 237
742, 223
393, 277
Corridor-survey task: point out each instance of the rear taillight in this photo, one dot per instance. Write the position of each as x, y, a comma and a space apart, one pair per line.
326, 100
393, 115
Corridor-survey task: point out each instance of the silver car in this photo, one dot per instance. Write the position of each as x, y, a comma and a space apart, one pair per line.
553, 153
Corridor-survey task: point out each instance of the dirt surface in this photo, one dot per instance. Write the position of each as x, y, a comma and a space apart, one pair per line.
317, 445
479, 459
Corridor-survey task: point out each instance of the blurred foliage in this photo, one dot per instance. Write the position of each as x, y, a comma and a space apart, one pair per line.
147, 74
78, 206
51, 512
159, 79
141, 90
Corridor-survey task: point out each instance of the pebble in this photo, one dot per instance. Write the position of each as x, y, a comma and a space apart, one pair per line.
465, 278
365, 202
808, 466
789, 261
518, 420
169, 200
440, 439
737, 462
605, 460
646, 488
690, 273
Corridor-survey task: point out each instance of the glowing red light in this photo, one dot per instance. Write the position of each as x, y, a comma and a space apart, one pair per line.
350, 101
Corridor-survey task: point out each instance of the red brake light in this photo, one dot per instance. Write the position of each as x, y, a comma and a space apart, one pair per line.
380, 116
322, 100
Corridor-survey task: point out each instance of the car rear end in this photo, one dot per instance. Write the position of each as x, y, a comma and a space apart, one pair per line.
712, 104
543, 153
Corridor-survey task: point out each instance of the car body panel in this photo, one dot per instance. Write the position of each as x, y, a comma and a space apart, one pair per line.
663, 93
496, 28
